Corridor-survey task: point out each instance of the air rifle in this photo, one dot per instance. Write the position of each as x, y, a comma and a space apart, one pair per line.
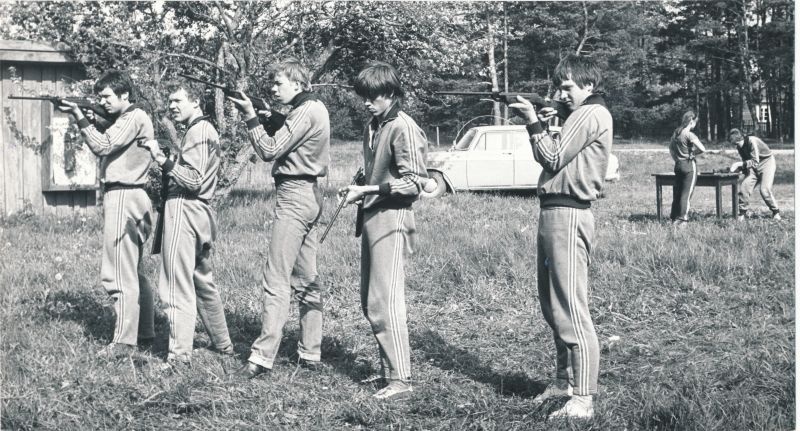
562, 109
271, 124
358, 178
82, 102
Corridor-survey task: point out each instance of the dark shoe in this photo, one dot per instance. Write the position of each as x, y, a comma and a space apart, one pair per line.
311, 365
250, 371
116, 350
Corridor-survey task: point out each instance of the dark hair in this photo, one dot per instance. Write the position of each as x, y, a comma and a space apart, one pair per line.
378, 79
582, 70
687, 118
734, 135
293, 69
119, 82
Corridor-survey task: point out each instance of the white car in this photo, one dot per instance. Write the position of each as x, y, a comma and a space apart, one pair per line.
492, 158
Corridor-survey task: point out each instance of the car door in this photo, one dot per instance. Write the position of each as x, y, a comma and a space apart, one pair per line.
526, 169
490, 163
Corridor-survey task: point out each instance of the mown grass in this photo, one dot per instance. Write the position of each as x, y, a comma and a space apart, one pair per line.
696, 325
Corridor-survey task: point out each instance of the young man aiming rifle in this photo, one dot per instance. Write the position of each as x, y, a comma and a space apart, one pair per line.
186, 284
127, 211
300, 149
572, 177
758, 165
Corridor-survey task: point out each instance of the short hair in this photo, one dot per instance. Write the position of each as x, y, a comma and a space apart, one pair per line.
378, 79
194, 92
295, 71
735, 135
582, 70
118, 81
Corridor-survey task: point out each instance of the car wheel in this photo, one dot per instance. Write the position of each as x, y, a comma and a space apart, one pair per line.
441, 186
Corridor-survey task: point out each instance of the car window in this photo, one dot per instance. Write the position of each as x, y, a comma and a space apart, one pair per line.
497, 141
521, 141
463, 143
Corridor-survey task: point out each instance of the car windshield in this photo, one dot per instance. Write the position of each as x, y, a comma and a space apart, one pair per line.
463, 143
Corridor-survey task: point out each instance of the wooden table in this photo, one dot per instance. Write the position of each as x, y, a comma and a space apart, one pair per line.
704, 179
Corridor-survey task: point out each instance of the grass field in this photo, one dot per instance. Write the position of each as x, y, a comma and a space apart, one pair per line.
696, 325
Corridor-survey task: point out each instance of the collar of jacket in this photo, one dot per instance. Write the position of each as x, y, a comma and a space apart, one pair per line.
301, 98
389, 115
595, 99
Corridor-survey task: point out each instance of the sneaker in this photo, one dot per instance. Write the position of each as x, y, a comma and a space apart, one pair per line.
395, 390
740, 217
553, 391
116, 350
174, 365
777, 216
578, 407
310, 365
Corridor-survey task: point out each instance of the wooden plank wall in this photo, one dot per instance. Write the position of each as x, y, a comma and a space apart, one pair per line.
21, 161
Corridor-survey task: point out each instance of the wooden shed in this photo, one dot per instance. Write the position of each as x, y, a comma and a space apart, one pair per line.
43, 165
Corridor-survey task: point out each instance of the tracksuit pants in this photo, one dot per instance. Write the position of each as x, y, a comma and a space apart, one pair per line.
763, 175
685, 180
563, 246
387, 238
291, 270
186, 283
127, 222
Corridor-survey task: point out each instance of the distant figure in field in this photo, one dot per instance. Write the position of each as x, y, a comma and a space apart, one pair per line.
684, 147
758, 166
572, 176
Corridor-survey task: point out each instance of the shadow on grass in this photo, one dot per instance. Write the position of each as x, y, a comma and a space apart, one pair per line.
97, 318
531, 193
445, 356
646, 218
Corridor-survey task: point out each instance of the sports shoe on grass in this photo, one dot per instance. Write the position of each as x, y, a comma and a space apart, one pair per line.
394, 391
777, 216
553, 391
116, 350
578, 407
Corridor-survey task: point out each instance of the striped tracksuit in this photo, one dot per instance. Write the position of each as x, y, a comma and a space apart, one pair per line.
394, 157
186, 284
572, 177
127, 220
683, 148
300, 149
759, 169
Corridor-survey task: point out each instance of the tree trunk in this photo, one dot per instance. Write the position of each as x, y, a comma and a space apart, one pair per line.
219, 97
490, 46
745, 59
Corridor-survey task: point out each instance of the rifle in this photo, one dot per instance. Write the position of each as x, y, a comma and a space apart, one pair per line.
562, 109
158, 233
271, 124
358, 178
83, 103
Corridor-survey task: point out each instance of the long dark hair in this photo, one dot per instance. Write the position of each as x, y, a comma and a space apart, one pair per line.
687, 118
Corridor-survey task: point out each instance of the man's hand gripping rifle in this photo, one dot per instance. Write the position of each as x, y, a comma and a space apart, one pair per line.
358, 179
271, 123
100, 115
561, 108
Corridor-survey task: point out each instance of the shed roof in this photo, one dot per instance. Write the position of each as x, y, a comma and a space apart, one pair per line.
37, 52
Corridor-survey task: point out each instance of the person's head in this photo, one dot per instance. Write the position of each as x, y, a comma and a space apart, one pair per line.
379, 87
290, 78
576, 78
735, 137
114, 90
185, 101
689, 120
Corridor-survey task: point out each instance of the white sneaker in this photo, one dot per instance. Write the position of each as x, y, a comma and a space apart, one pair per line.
578, 407
553, 391
396, 390
740, 217
777, 216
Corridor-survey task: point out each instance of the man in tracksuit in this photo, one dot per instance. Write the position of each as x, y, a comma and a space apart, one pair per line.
186, 284
394, 159
572, 177
300, 149
758, 165
127, 217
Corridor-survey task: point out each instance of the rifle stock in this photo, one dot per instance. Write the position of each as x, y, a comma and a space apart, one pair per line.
562, 109
158, 233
